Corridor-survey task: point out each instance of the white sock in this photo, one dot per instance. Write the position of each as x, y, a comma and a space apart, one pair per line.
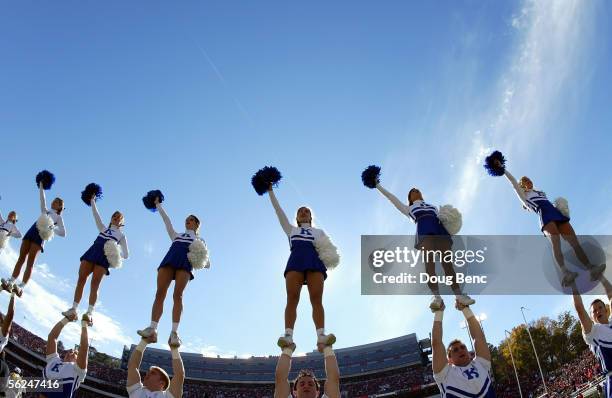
320, 332
75, 305
12, 279
437, 295
153, 325
175, 326
90, 309
289, 332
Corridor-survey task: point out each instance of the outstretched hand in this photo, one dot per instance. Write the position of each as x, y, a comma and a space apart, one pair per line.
460, 306
156, 200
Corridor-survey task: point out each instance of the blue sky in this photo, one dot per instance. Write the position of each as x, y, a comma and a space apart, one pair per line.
192, 98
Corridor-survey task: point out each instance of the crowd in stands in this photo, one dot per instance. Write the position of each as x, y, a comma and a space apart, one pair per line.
562, 382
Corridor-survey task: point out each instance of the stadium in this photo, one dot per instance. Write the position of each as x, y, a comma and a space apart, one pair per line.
396, 368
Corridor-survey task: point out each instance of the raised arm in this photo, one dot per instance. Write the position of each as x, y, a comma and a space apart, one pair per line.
7, 321
332, 384
54, 335
480, 342
83, 347
282, 217
606, 284
439, 360
167, 222
43, 201
399, 205
583, 316
125, 253
96, 215
176, 384
517, 188
60, 229
133, 366
281, 374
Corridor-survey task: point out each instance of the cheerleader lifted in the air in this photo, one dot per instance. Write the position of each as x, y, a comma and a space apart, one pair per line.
108, 251
48, 224
8, 228
312, 254
434, 230
554, 219
188, 252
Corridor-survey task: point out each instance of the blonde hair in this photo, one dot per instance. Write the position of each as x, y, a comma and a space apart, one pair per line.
164, 375
60, 201
115, 213
197, 220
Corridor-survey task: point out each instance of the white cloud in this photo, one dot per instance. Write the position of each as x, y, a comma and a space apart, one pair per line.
40, 308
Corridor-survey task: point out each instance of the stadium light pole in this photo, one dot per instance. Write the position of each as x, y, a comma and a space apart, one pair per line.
513, 364
534, 350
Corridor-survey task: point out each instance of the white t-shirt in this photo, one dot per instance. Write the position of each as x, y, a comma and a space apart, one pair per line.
471, 380
600, 342
138, 391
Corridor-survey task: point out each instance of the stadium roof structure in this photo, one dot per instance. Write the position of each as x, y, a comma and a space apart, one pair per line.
399, 352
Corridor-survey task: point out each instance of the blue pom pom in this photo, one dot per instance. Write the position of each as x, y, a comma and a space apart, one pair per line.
149, 199
491, 165
92, 190
371, 176
46, 177
264, 177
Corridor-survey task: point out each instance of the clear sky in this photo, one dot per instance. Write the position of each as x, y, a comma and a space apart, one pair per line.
192, 98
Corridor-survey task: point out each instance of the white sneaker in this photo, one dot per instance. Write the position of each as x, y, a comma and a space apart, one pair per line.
597, 271
465, 299
285, 341
568, 278
174, 341
149, 334
71, 314
326, 339
436, 303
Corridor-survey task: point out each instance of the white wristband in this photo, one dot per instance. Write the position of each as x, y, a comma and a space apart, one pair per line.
328, 352
142, 345
288, 351
438, 315
64, 321
175, 353
467, 313
84, 324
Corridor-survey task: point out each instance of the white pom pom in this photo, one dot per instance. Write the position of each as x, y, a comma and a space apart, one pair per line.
198, 254
112, 251
328, 253
4, 237
563, 206
45, 226
451, 219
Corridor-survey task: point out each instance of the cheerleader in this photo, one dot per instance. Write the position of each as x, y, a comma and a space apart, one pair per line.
107, 251
49, 223
432, 232
312, 254
188, 252
554, 219
8, 228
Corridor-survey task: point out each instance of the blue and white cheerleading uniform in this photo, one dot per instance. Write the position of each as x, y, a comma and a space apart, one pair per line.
58, 223
471, 381
69, 375
537, 202
33, 236
176, 257
9, 228
304, 256
95, 254
139, 391
600, 343
423, 214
